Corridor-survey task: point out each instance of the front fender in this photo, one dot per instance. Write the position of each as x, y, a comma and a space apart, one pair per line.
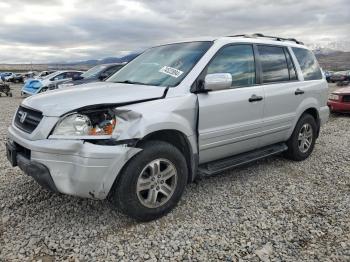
139, 120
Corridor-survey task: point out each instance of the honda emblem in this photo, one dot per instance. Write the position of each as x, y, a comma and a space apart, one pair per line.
23, 116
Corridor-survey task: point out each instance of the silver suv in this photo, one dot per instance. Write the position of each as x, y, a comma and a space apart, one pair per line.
175, 112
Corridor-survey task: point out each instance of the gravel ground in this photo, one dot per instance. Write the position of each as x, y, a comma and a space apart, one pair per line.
273, 210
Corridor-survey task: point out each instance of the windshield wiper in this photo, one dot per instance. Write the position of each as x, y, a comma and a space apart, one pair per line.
132, 82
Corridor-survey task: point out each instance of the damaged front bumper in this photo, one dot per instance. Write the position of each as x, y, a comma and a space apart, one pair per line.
71, 167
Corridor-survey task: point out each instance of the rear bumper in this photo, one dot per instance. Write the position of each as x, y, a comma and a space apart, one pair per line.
336, 106
71, 167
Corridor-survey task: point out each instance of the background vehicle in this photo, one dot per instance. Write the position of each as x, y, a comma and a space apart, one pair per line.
15, 78
3, 75
35, 86
339, 100
97, 73
9, 76
173, 112
29, 75
43, 74
328, 75
339, 76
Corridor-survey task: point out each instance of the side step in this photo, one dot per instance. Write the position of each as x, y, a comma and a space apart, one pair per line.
220, 165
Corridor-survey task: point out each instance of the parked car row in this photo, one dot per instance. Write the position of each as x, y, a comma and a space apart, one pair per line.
50, 80
39, 85
333, 77
95, 74
21, 77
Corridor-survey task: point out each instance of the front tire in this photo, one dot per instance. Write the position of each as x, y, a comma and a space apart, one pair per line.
302, 141
152, 182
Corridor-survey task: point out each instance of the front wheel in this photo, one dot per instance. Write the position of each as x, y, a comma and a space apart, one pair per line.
152, 182
302, 141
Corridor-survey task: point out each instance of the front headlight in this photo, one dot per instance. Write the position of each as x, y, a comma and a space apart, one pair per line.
334, 97
97, 124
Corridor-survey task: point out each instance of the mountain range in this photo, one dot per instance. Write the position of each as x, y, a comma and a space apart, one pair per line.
328, 58
106, 60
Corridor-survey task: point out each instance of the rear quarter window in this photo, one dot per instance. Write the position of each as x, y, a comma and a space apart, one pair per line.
308, 64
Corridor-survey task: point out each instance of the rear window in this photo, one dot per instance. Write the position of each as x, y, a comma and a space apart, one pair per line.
273, 64
308, 64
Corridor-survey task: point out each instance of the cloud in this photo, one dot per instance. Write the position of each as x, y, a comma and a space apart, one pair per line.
66, 30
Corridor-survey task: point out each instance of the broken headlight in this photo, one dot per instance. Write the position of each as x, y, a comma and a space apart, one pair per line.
89, 125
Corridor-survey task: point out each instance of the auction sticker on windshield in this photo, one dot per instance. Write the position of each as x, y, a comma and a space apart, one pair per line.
171, 71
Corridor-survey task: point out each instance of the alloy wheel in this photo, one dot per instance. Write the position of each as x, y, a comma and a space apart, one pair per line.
305, 138
156, 183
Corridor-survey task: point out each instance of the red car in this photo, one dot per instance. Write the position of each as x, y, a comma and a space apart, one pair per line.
339, 100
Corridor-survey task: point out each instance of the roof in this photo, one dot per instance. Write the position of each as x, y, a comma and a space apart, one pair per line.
249, 38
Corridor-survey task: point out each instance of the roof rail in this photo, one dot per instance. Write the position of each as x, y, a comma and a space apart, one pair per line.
277, 38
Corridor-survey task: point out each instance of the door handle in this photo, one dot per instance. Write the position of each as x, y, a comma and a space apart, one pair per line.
299, 92
255, 98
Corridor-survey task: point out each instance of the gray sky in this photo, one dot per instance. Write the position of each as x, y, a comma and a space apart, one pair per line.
72, 30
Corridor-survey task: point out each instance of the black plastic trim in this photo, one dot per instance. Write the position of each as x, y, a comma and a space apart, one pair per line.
112, 142
38, 171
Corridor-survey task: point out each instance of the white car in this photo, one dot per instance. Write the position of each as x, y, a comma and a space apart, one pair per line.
43, 74
9, 77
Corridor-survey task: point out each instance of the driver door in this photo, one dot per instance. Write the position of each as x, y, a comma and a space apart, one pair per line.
230, 121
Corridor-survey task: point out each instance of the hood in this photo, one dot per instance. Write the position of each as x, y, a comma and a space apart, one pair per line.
61, 101
342, 91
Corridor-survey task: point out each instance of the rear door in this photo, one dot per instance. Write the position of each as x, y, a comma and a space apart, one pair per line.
280, 83
285, 89
229, 123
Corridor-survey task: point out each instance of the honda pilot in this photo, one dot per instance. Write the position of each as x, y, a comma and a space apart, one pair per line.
175, 112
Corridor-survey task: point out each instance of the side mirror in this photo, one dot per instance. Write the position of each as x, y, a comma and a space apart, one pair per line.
219, 81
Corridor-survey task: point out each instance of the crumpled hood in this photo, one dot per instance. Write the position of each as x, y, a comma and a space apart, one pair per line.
61, 101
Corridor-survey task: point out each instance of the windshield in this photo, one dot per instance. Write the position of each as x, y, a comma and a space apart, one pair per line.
163, 65
93, 72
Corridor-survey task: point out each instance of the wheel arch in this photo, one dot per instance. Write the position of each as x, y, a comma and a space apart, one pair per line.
315, 114
181, 142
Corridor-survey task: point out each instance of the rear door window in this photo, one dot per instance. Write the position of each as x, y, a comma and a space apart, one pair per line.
273, 64
308, 64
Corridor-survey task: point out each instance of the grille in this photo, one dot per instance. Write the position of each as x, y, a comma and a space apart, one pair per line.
346, 98
27, 119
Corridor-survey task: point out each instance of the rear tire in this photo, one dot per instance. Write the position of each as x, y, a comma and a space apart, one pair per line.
152, 182
302, 141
